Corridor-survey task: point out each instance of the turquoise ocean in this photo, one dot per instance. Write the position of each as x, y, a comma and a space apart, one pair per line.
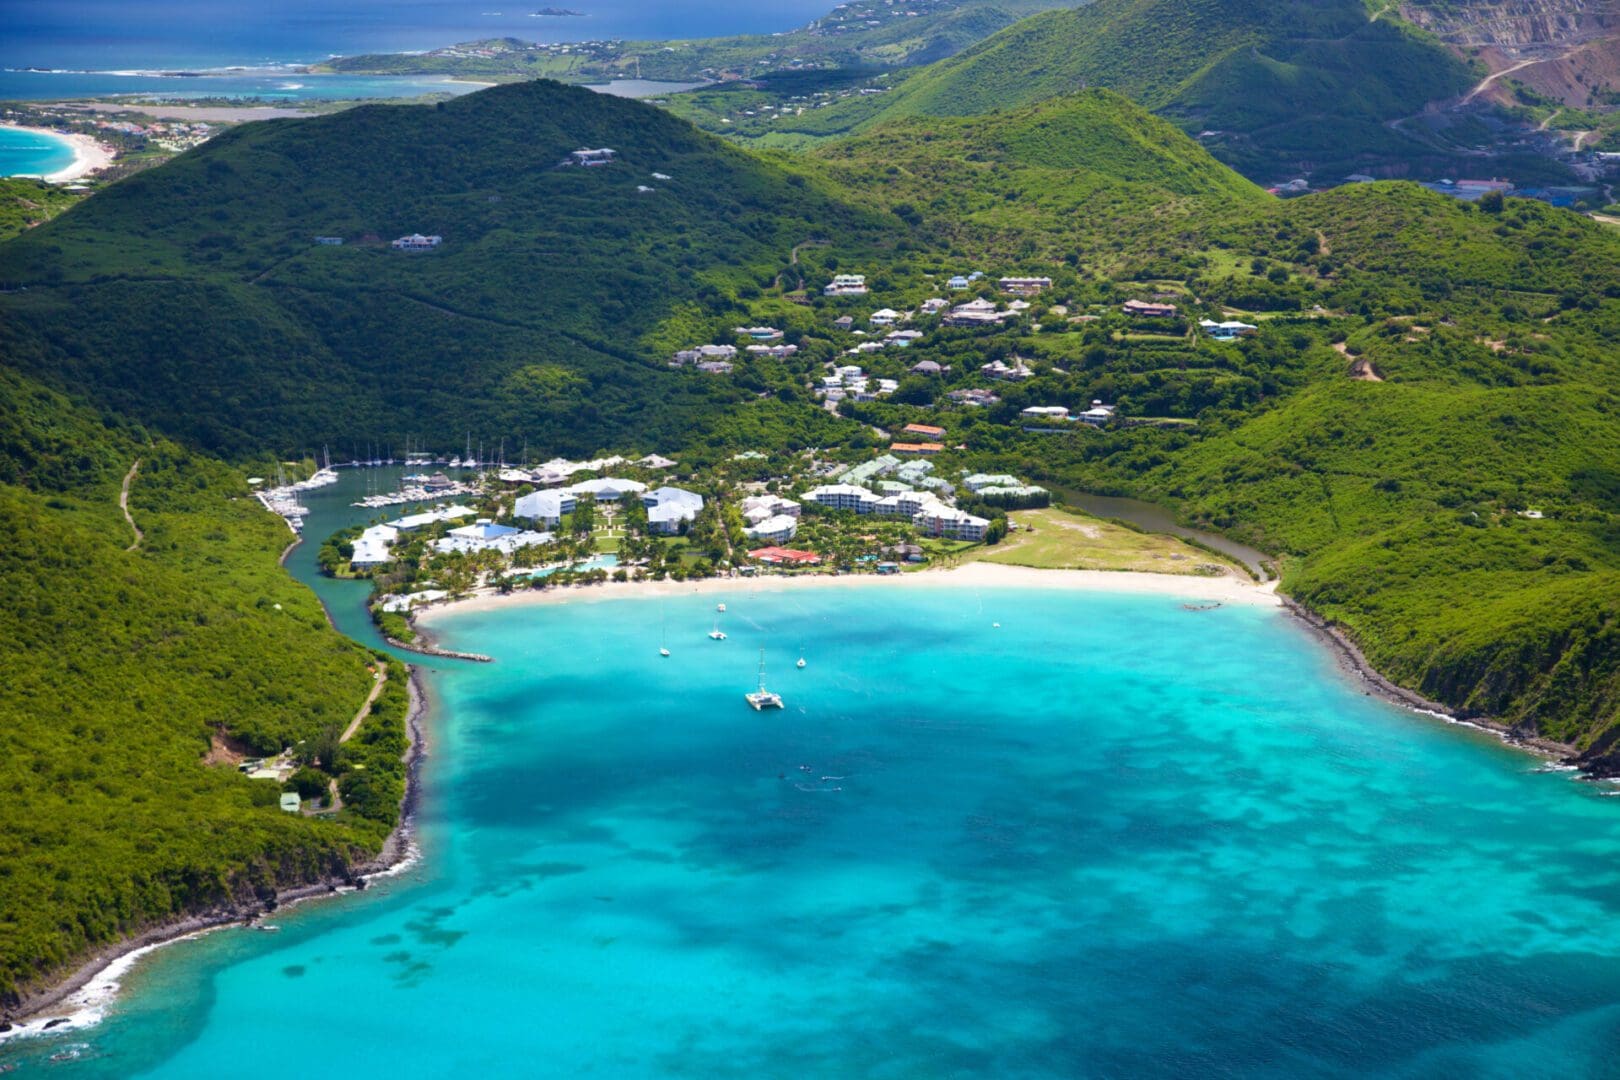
1111, 836
31, 153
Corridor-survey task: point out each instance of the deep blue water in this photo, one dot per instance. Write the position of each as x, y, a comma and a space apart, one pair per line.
111, 35
29, 153
1109, 837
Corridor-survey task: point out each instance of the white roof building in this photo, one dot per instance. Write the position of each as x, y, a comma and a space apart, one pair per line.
546, 507
842, 497
607, 489
757, 508
778, 529
429, 517
669, 507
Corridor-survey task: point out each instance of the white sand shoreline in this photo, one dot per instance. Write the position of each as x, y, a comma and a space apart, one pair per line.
88, 155
982, 575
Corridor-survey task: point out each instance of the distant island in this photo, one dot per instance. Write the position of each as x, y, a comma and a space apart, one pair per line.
556, 12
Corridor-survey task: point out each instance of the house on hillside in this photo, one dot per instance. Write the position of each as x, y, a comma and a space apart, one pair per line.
589, 158
1098, 415
957, 283
917, 448
926, 431
846, 285
759, 333
416, 242
1144, 309
1226, 331
1024, 286
883, 317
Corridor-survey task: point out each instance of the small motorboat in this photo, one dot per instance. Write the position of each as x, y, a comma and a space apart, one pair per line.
801, 662
663, 652
720, 606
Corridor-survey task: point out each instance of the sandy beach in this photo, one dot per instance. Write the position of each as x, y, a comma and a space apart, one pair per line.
89, 156
976, 575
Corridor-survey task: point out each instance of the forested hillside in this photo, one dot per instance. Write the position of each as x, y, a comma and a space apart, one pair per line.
196, 297
1300, 81
125, 663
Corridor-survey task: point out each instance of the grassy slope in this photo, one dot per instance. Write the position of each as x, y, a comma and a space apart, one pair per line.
1040, 179
194, 296
26, 203
117, 666
1398, 501
1300, 79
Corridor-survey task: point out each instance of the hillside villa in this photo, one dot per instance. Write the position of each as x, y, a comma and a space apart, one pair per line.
1024, 286
1148, 310
416, 242
846, 285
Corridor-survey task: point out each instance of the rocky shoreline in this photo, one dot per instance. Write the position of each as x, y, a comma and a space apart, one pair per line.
50, 1007
1355, 662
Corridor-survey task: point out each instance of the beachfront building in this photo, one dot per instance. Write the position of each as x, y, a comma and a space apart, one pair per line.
1024, 286
591, 158
939, 520
417, 242
842, 497
776, 529
545, 507
485, 535
781, 556
846, 285
668, 508
607, 489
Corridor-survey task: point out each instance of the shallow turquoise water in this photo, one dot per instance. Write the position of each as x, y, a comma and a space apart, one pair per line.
1111, 837
30, 153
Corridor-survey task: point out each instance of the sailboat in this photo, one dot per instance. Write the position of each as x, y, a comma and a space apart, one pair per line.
801, 662
716, 634
762, 698
663, 637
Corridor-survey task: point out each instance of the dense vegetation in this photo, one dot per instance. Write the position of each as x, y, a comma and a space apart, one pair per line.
187, 311
1289, 85
124, 668
529, 317
25, 203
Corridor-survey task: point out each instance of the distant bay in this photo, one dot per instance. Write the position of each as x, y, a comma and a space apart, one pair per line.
25, 152
273, 87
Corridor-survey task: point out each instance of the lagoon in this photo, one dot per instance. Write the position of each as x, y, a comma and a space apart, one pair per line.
1111, 836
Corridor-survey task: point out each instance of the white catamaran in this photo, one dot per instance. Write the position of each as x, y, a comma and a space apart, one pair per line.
762, 698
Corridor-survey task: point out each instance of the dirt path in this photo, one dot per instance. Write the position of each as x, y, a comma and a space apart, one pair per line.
1485, 83
123, 504
378, 681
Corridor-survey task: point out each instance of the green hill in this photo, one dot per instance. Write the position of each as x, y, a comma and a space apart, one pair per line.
1300, 81
1049, 177
196, 297
122, 665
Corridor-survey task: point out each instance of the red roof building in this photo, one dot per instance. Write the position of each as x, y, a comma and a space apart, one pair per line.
927, 430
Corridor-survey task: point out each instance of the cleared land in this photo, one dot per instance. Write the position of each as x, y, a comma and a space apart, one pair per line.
1062, 540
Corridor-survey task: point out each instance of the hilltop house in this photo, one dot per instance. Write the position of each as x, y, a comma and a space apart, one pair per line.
416, 242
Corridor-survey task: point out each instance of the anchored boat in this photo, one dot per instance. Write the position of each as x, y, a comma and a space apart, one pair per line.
762, 698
